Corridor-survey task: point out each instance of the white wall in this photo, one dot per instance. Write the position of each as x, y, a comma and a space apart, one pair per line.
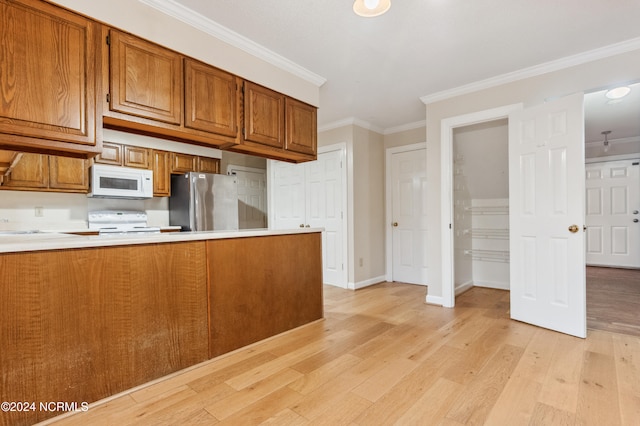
531, 91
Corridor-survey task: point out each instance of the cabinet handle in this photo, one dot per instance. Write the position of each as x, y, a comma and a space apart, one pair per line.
302, 225
307, 226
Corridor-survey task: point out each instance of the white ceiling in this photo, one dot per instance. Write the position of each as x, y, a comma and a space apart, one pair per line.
377, 69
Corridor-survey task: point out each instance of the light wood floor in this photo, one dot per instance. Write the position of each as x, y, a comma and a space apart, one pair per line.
383, 357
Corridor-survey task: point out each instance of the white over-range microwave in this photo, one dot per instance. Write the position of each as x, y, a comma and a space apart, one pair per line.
120, 182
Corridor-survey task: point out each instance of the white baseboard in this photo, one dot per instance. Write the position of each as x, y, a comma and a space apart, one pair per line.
499, 285
434, 300
367, 283
464, 287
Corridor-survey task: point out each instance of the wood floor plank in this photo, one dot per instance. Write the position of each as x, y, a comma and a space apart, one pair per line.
405, 393
316, 378
544, 415
627, 361
433, 405
384, 379
477, 399
561, 384
248, 395
598, 394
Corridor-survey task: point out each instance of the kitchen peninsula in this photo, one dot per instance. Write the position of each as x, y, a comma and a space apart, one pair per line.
86, 317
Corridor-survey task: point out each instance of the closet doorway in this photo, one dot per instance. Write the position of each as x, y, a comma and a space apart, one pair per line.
481, 205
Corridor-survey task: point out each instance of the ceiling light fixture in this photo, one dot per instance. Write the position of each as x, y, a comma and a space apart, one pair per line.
371, 8
606, 140
618, 92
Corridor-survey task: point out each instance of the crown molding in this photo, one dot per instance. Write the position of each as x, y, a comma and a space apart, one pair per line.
405, 127
208, 26
351, 121
534, 71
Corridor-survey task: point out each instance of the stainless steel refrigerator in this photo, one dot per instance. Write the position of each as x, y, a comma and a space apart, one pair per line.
204, 202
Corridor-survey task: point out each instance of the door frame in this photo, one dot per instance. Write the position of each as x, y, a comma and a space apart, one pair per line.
447, 126
389, 201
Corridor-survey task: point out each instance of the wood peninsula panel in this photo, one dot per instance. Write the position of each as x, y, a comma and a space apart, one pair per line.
262, 286
80, 325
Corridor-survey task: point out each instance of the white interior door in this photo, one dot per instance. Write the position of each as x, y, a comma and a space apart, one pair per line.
409, 216
288, 195
312, 195
613, 203
324, 209
252, 197
546, 191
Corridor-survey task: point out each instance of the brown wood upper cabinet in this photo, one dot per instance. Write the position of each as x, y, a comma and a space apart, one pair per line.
301, 127
156, 91
160, 164
211, 99
145, 79
263, 115
49, 80
276, 126
41, 172
123, 155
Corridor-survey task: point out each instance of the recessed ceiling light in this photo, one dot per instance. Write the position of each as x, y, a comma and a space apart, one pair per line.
618, 92
371, 8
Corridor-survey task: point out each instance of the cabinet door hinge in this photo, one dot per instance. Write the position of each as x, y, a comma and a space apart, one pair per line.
108, 97
244, 132
108, 41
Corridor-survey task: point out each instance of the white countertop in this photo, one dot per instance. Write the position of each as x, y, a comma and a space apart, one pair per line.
14, 243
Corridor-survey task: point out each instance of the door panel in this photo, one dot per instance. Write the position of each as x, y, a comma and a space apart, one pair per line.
613, 195
252, 198
409, 217
547, 190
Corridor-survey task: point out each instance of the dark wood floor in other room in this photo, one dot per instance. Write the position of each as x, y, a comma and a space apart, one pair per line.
382, 356
613, 300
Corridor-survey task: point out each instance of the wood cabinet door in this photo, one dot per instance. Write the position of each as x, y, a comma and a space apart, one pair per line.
263, 115
146, 79
211, 99
135, 156
68, 174
111, 154
301, 127
183, 163
31, 172
161, 173
208, 165
48, 70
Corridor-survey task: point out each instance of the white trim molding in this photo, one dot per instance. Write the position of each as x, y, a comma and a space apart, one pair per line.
206, 25
534, 71
366, 283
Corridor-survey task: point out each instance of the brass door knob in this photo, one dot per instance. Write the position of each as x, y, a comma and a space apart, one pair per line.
574, 228
395, 223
